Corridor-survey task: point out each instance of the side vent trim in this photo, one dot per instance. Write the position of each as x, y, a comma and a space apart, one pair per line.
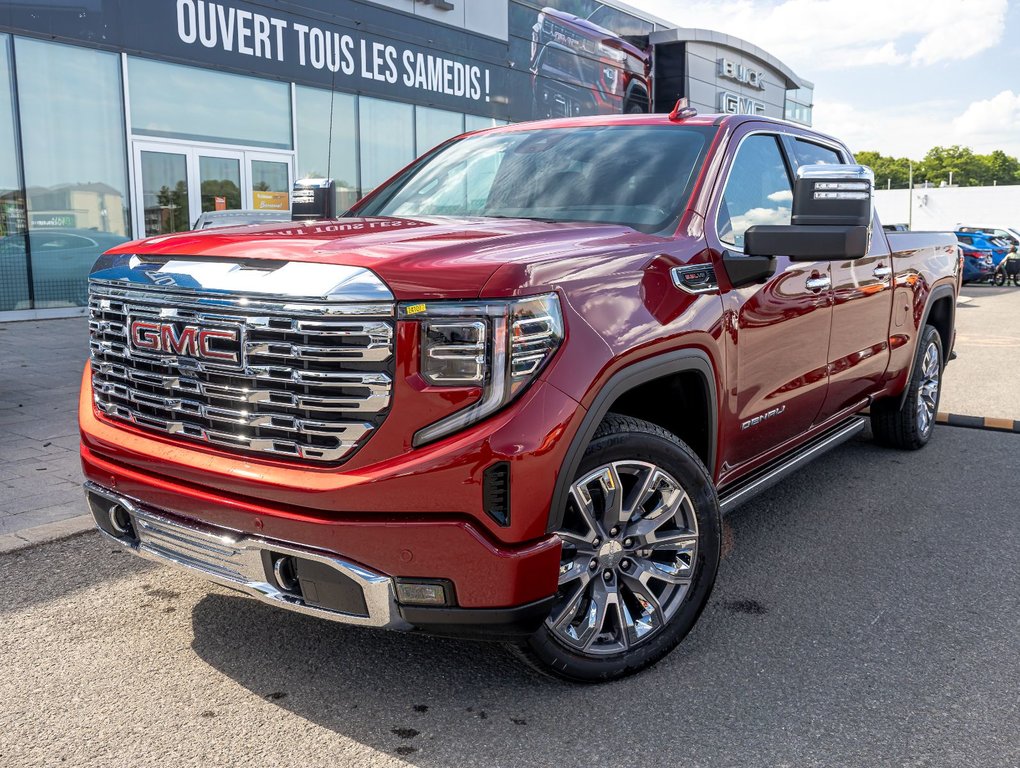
496, 492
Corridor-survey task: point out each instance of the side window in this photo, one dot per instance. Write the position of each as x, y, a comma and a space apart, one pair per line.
965, 239
758, 190
809, 153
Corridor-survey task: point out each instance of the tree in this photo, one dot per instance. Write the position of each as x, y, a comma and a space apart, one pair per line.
942, 165
891, 172
952, 165
1002, 168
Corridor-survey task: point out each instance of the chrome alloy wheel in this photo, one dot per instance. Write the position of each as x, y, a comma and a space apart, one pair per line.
630, 543
928, 389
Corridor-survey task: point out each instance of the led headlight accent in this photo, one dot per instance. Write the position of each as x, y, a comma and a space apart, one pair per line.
453, 352
500, 346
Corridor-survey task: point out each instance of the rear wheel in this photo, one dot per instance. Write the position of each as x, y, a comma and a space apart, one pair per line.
640, 552
910, 426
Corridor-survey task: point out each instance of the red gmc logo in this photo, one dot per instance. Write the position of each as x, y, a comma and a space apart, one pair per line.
214, 344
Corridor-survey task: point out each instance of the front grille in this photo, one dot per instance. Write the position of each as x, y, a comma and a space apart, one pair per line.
312, 380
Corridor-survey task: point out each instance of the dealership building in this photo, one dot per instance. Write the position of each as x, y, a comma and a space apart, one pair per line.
122, 119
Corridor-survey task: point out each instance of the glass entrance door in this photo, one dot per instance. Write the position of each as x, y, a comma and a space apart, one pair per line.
176, 182
219, 180
165, 205
270, 182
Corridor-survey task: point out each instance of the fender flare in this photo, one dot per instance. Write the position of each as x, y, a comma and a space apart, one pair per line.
677, 361
937, 293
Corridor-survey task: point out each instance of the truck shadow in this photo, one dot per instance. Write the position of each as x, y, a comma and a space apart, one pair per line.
830, 617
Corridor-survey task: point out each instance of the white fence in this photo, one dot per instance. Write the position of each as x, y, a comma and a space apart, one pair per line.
943, 208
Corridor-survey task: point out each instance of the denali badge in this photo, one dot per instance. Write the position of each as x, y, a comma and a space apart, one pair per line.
754, 421
154, 336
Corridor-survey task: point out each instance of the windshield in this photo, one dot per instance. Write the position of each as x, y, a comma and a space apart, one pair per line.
636, 175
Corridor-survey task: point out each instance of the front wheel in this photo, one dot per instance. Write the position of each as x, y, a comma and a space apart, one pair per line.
640, 535
999, 279
910, 425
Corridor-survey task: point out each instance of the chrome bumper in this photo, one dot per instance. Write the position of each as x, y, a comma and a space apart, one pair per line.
236, 560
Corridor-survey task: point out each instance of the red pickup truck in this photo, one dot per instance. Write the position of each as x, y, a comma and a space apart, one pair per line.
511, 392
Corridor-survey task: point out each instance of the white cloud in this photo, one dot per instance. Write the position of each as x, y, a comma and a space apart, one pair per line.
783, 195
831, 34
993, 123
779, 215
912, 129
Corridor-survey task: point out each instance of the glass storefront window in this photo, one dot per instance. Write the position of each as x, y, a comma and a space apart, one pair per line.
13, 256
322, 155
434, 126
172, 100
476, 122
387, 139
72, 130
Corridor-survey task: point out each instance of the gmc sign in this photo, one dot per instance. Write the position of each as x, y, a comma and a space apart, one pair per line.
156, 337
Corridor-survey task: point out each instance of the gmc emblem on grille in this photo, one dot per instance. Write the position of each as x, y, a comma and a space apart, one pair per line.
219, 345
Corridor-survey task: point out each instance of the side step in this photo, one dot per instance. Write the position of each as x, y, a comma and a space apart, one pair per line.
765, 477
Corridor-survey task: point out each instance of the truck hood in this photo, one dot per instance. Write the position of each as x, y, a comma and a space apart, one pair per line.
426, 258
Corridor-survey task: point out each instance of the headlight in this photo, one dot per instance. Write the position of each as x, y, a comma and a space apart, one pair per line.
500, 346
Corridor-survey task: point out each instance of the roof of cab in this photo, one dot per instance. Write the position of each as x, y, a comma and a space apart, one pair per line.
729, 121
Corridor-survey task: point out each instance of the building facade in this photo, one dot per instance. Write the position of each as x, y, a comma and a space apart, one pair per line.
122, 119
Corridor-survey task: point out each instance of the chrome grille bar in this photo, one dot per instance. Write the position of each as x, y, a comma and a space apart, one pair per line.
312, 382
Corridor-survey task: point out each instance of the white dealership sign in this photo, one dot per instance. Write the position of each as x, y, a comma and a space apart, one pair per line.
744, 75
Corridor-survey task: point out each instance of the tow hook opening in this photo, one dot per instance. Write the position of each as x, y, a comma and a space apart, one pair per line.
314, 583
112, 516
120, 520
285, 572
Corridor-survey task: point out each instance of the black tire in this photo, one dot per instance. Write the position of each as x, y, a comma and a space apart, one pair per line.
624, 441
999, 279
902, 426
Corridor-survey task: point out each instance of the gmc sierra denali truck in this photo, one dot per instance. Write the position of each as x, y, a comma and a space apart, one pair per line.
581, 68
511, 392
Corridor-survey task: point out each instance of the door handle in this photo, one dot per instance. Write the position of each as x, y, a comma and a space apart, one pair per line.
818, 283
882, 272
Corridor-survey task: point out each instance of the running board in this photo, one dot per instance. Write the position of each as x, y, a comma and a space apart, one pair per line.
747, 488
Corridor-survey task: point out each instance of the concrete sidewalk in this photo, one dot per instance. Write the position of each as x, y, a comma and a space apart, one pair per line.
40, 478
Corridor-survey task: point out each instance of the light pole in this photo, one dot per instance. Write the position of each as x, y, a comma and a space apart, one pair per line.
910, 197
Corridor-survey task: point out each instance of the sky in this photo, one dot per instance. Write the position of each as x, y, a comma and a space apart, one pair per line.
894, 76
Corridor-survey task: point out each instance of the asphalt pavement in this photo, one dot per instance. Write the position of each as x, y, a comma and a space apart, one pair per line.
867, 612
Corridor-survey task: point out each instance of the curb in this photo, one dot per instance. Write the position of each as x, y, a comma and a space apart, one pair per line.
978, 422
44, 534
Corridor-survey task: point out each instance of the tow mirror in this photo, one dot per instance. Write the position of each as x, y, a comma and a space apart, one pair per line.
833, 209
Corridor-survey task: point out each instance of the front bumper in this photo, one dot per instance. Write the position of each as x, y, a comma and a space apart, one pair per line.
327, 585
245, 563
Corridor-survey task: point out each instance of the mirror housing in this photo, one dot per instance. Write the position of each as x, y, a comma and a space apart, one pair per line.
833, 210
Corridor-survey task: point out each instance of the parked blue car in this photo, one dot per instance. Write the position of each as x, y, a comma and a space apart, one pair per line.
977, 264
985, 242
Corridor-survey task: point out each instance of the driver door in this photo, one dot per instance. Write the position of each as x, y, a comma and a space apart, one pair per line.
777, 333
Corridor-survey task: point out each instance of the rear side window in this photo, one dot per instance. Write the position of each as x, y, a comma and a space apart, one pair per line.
758, 190
809, 153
